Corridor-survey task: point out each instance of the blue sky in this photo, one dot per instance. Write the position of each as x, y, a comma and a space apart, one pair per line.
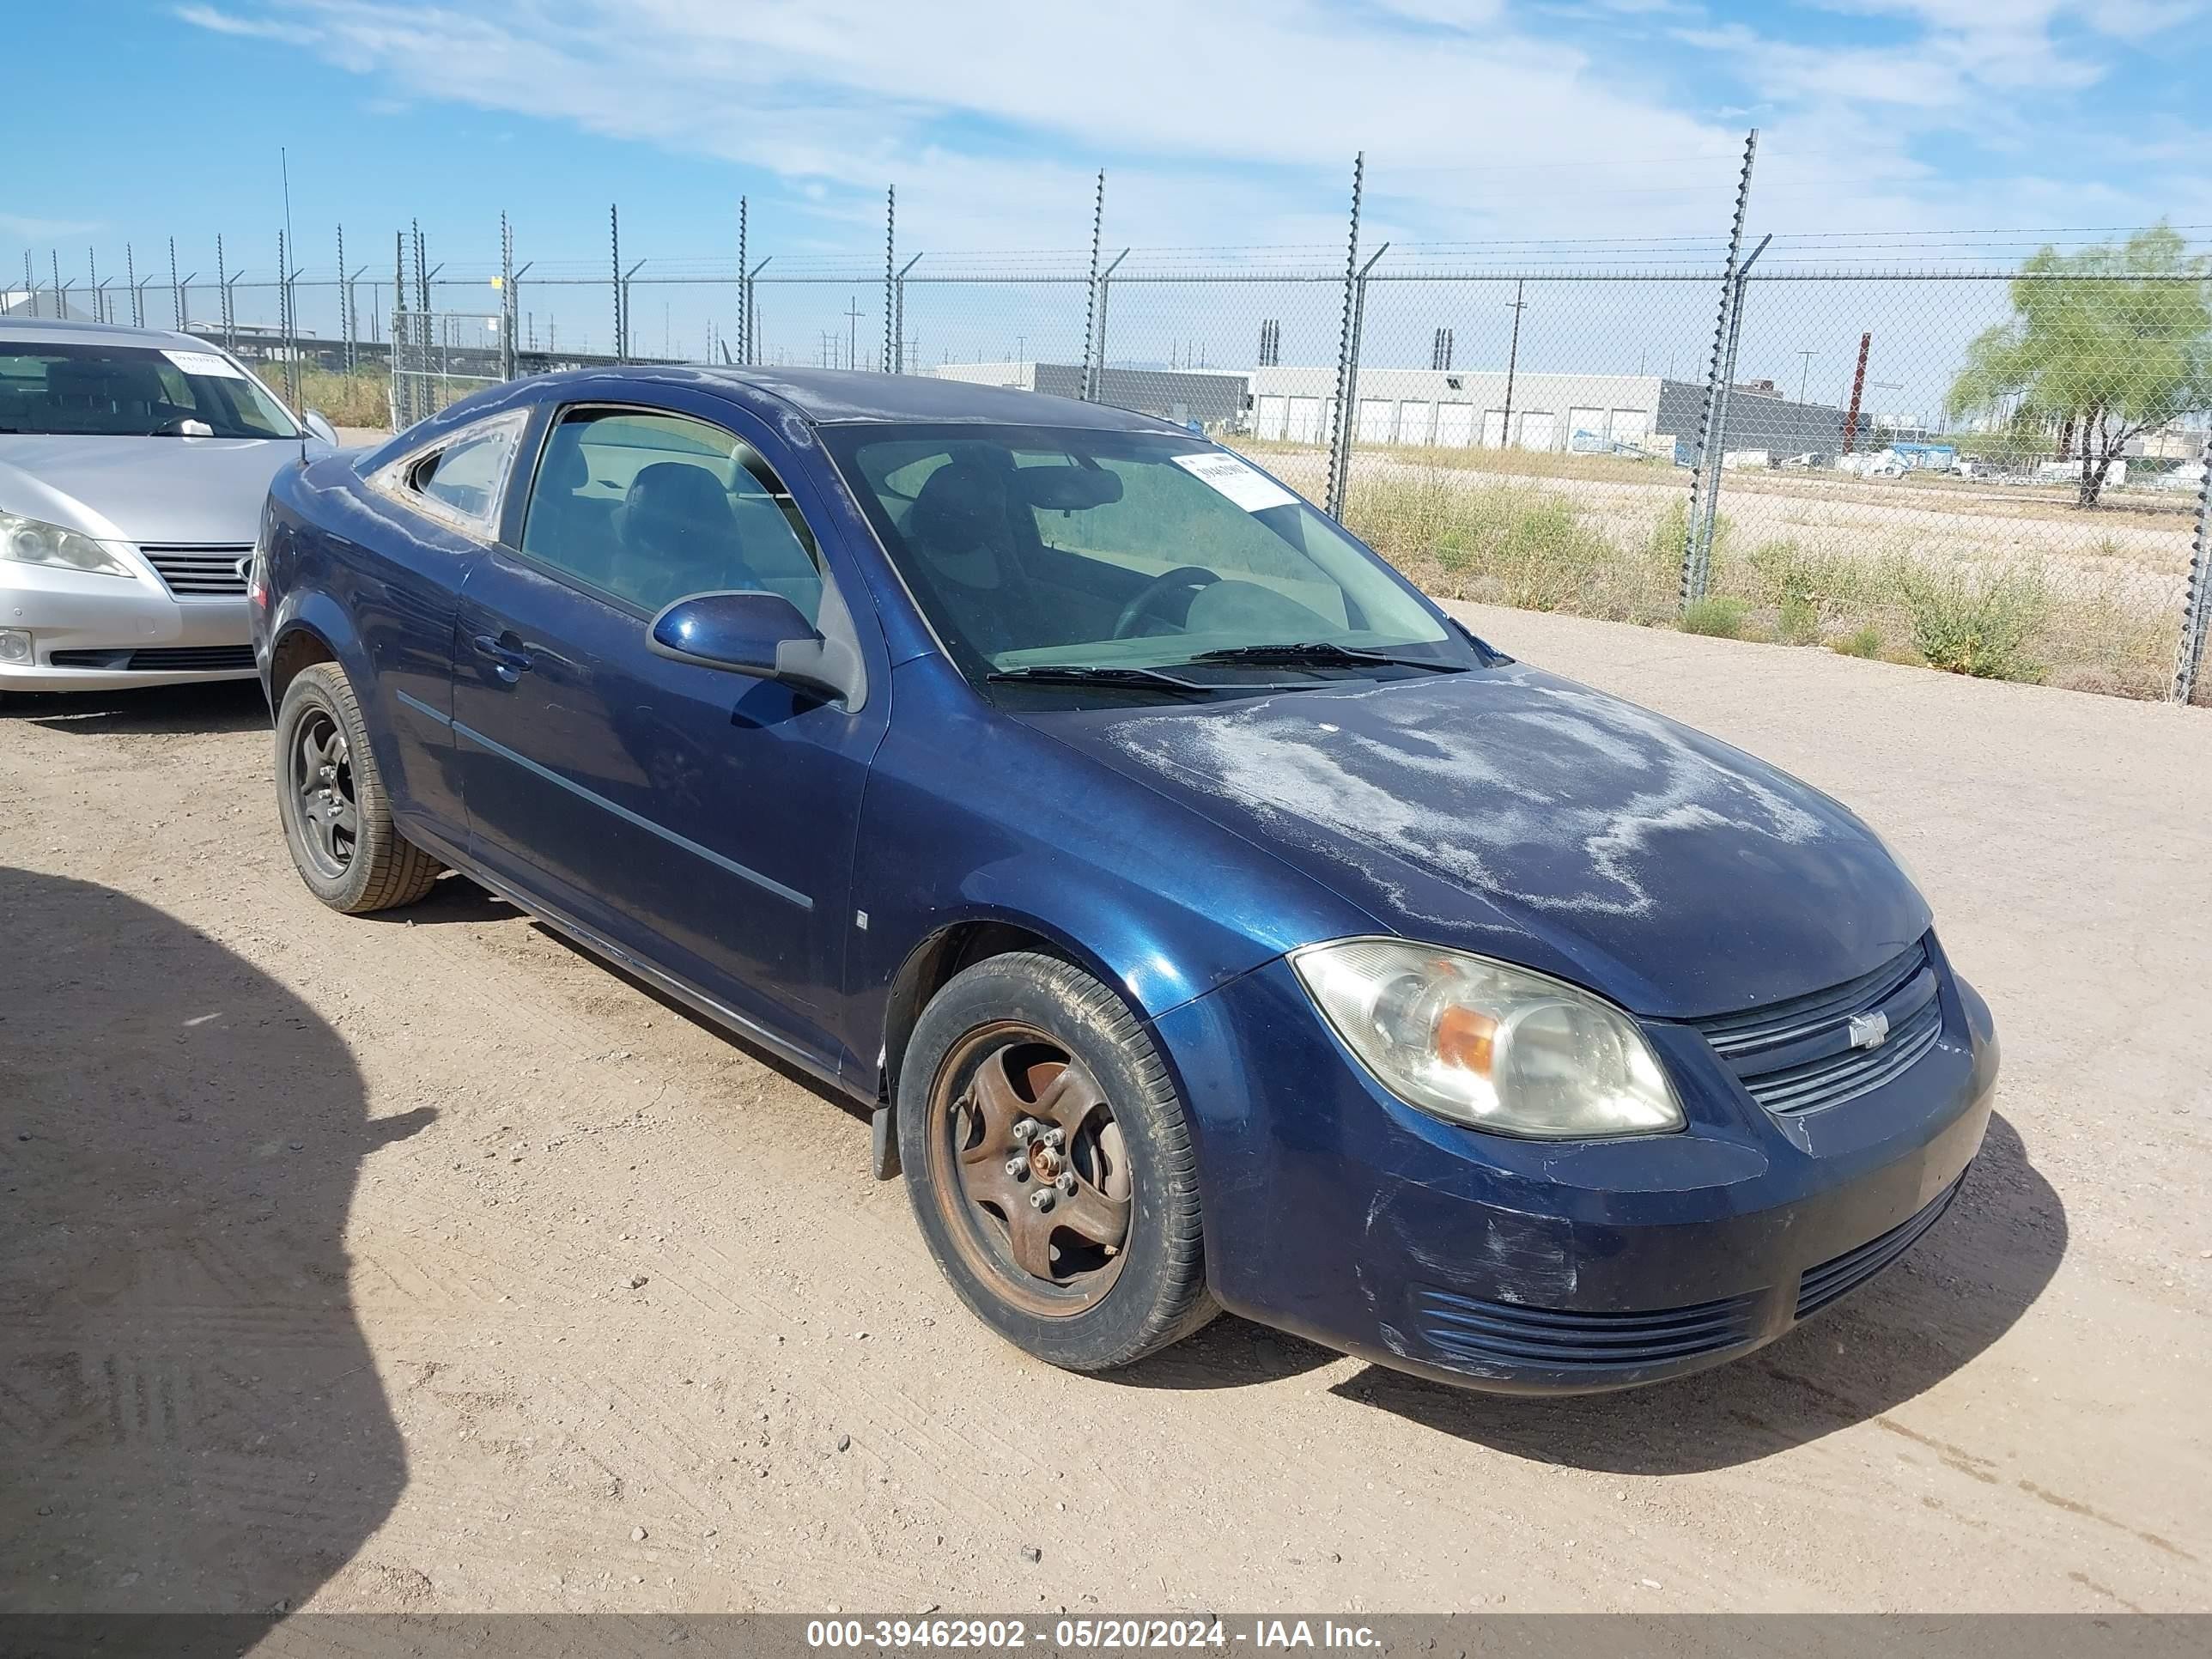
1227, 122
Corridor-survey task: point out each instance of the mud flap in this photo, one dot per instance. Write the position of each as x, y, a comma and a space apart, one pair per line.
884, 1150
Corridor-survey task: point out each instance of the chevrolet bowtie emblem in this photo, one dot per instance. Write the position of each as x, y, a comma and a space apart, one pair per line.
1869, 1030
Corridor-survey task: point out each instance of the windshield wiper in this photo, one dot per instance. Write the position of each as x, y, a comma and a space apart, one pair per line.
1072, 673
1323, 653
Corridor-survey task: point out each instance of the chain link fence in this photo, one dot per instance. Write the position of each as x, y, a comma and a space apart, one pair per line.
2001, 471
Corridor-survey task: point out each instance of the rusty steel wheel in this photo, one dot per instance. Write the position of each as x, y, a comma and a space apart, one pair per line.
1035, 1182
1049, 1159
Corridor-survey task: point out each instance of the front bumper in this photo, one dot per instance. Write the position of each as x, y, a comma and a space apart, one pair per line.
122, 631
1336, 1212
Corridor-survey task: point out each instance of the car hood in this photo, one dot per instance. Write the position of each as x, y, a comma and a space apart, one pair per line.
1516, 813
143, 489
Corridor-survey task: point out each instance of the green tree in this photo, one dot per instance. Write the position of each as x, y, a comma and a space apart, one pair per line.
2103, 346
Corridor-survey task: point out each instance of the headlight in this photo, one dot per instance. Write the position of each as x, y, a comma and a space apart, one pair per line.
30, 541
1490, 1046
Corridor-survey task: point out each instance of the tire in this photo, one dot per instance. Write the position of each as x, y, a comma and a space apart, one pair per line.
1079, 1062
341, 836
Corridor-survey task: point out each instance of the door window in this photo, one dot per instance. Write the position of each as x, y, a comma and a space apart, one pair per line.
651, 508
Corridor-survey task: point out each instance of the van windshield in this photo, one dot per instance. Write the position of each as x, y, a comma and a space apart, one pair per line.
88, 389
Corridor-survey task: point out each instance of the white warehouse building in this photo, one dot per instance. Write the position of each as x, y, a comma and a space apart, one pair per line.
1600, 414
1464, 408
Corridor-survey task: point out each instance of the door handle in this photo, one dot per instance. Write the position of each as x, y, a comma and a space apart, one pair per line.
507, 663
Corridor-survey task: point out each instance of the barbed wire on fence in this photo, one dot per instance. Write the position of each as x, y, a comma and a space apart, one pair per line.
1524, 416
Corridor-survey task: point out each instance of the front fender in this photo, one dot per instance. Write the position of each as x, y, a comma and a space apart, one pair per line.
970, 818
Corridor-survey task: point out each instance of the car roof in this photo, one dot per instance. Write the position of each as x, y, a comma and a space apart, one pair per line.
54, 331
830, 396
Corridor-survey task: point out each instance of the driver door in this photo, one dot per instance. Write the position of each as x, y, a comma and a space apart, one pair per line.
701, 819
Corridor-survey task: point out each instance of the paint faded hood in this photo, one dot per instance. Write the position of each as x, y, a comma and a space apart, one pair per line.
1511, 811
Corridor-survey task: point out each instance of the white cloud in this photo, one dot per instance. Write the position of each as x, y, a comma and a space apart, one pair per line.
1236, 121
261, 29
28, 228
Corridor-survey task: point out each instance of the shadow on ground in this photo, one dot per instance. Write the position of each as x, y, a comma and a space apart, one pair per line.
190, 1418
156, 711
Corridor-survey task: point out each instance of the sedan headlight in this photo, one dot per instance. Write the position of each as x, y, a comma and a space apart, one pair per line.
1487, 1045
32, 541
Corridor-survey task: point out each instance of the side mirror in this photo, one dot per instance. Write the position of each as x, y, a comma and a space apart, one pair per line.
761, 635
320, 424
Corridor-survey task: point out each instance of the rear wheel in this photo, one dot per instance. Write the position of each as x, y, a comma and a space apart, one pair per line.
1050, 1165
338, 820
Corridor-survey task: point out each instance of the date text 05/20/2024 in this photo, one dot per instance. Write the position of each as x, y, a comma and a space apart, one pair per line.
1097, 1634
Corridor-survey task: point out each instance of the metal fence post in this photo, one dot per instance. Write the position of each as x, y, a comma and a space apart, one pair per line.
1105, 289
506, 299
403, 403
1352, 378
2196, 603
751, 353
898, 318
890, 277
1708, 460
345, 308
742, 256
1339, 436
1090, 389
614, 268
1711, 515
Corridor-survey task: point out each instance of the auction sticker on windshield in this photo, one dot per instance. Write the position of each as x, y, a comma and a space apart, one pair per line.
205, 362
1255, 492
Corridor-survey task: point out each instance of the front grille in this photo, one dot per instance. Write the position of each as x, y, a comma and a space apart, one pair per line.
200, 573
1824, 1284
1467, 1332
161, 659
1798, 1056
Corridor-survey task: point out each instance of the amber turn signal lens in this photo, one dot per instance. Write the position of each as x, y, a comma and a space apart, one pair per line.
1466, 1039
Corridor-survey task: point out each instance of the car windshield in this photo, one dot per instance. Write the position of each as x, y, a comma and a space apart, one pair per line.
1165, 563
98, 390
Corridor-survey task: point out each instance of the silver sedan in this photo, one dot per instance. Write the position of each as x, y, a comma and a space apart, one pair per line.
133, 466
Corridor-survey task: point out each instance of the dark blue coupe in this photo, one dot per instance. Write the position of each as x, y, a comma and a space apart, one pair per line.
1209, 919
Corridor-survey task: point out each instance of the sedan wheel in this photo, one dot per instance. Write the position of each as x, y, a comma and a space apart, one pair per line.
1049, 1160
1036, 1179
322, 778
336, 818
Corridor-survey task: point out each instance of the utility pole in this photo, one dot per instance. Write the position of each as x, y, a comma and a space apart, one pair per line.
853, 332
1512, 362
1858, 391
1804, 370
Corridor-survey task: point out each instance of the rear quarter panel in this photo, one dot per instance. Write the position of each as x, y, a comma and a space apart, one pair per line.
379, 586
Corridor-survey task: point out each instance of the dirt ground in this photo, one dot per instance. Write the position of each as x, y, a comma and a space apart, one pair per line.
425, 1263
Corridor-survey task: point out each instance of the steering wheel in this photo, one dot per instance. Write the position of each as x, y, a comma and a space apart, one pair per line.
1189, 577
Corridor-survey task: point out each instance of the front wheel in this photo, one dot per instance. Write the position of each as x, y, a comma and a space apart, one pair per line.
337, 819
1050, 1165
